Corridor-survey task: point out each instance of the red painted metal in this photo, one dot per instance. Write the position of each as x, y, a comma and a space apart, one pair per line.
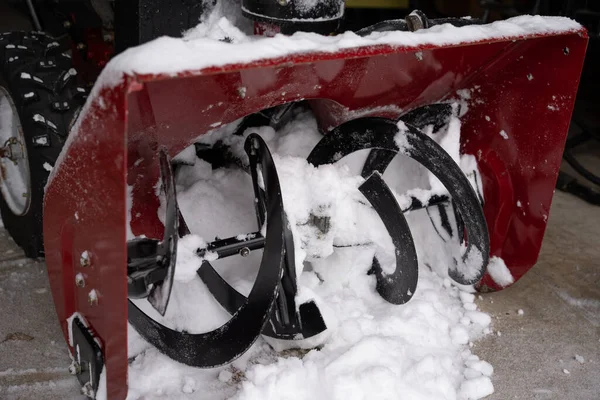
525, 86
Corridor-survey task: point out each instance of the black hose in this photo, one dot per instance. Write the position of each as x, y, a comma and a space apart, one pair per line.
402, 25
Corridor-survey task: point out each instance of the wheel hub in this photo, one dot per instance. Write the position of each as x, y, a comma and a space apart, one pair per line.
15, 184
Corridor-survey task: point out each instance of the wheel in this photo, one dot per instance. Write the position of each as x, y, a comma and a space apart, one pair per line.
39, 101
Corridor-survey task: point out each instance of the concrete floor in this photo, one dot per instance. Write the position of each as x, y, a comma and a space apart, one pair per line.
34, 358
560, 299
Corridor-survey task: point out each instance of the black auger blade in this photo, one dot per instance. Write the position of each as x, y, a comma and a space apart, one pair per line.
434, 115
225, 344
167, 250
284, 322
398, 287
380, 134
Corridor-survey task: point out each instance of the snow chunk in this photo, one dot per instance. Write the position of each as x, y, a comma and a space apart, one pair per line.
481, 366
189, 385
520, 312
187, 156
47, 167
401, 138
500, 272
579, 359
477, 388
225, 376
504, 134
479, 318
188, 261
464, 93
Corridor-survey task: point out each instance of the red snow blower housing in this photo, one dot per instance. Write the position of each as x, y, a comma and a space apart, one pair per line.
377, 90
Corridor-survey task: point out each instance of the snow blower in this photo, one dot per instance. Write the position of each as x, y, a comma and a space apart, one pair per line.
111, 243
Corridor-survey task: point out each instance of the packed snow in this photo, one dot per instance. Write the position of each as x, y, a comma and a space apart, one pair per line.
199, 49
371, 349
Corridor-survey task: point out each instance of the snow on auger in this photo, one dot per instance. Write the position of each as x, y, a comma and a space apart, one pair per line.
111, 244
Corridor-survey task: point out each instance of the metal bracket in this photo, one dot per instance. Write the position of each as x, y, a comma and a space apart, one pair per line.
88, 360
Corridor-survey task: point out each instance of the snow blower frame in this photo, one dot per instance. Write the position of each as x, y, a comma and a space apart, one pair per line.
523, 89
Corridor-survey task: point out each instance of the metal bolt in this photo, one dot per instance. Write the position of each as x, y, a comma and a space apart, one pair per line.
88, 391
84, 260
244, 252
416, 20
79, 281
242, 92
74, 368
93, 298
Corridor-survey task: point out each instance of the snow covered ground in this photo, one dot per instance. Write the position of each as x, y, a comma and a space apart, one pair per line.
372, 349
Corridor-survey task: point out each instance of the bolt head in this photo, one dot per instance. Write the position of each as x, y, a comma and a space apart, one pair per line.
88, 391
93, 298
79, 281
244, 252
84, 259
74, 368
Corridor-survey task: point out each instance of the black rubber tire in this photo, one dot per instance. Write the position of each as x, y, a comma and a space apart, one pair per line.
37, 74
